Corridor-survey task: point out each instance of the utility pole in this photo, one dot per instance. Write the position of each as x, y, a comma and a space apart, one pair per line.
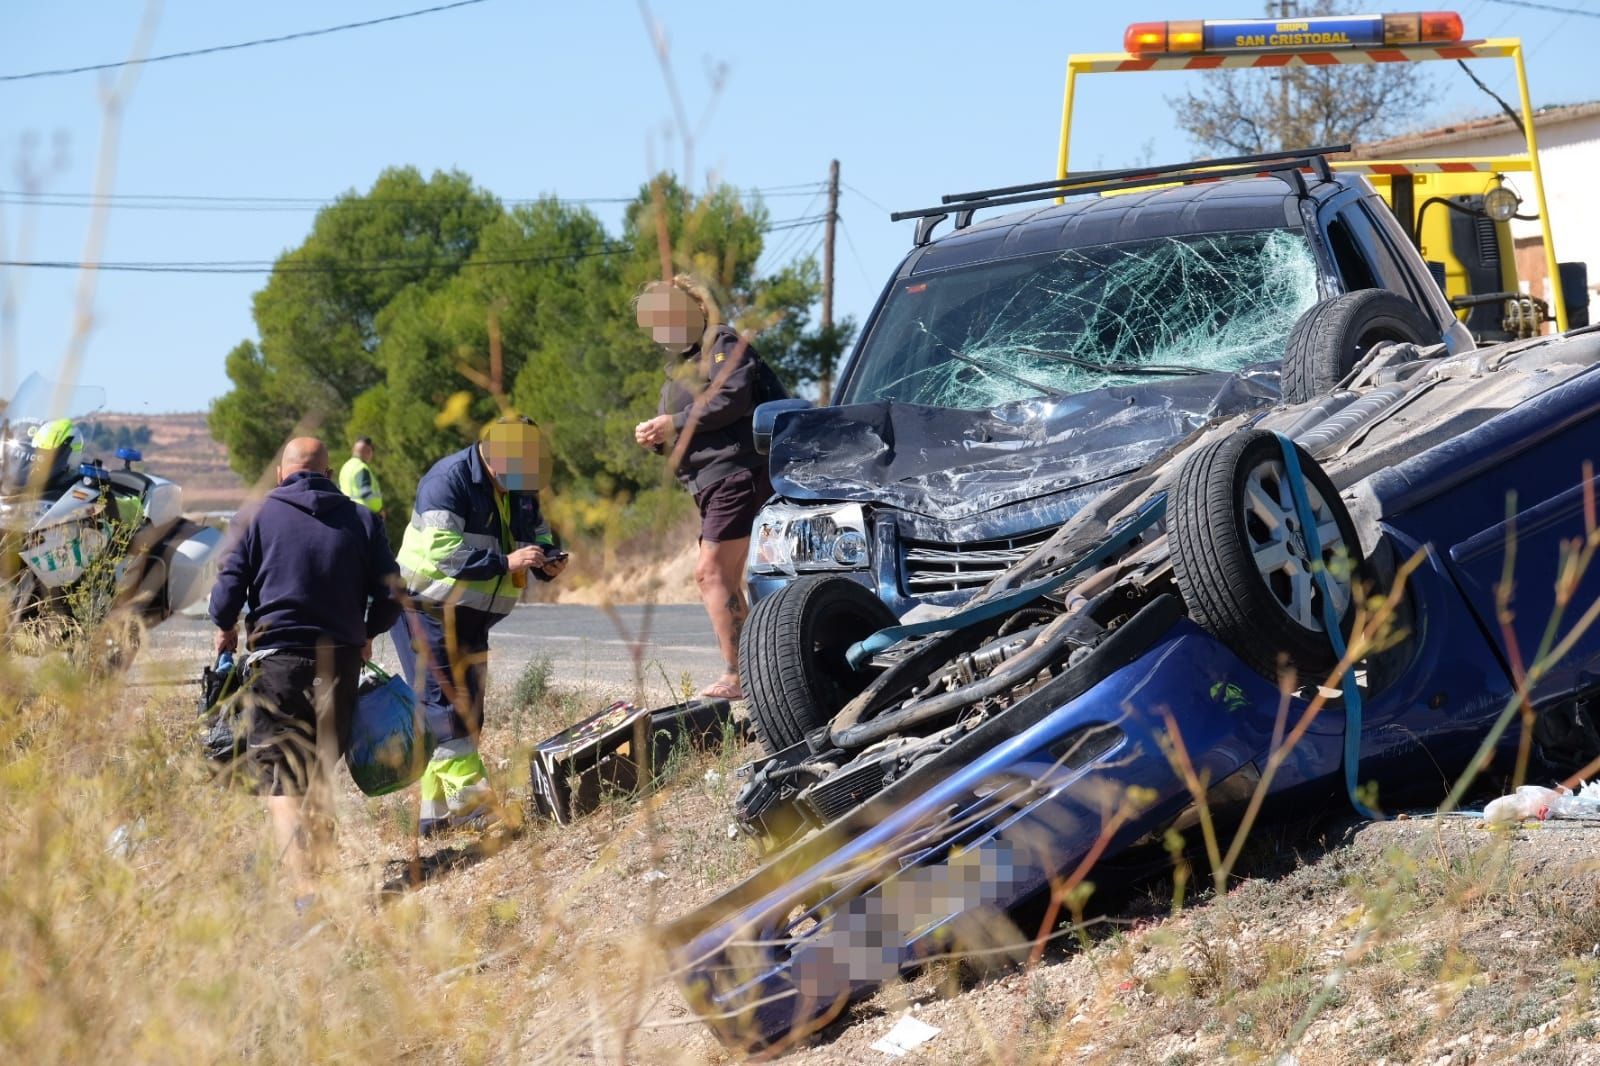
1283, 9
825, 379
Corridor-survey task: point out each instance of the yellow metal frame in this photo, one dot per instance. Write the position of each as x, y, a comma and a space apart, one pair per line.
1498, 48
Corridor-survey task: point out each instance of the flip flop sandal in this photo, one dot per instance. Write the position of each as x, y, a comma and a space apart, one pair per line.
722, 690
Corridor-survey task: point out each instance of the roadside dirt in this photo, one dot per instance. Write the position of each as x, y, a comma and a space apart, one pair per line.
1419, 940
662, 572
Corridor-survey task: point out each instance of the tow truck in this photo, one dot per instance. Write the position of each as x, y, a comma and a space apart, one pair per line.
1455, 210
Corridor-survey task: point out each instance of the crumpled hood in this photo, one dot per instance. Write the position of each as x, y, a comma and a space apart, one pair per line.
950, 464
311, 493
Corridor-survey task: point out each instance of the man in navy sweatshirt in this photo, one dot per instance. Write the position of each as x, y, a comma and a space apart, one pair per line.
314, 575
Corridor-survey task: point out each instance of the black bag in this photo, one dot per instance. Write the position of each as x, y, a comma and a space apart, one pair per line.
222, 710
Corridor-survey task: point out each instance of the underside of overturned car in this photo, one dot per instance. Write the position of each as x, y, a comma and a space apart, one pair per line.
1353, 593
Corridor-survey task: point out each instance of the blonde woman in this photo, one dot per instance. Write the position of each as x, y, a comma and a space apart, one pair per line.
714, 381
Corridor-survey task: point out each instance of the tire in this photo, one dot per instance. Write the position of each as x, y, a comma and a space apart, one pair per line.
1223, 551
1330, 338
791, 655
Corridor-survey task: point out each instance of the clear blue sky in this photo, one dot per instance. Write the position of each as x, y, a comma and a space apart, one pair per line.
915, 100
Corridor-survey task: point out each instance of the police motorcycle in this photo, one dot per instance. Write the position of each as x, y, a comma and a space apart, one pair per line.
66, 517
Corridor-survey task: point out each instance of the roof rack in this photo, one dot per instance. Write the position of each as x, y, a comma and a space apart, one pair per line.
1285, 164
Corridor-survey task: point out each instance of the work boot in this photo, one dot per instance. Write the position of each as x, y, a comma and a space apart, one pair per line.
456, 793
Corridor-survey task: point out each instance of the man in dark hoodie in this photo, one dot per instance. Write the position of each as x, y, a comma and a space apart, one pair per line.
315, 575
714, 381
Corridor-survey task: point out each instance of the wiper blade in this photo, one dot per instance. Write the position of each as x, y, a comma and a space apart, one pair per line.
1114, 367
1042, 389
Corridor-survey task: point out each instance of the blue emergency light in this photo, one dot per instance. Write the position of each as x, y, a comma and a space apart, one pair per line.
1318, 32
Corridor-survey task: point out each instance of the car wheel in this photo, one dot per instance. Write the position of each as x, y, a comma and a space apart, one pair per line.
1240, 560
1330, 338
791, 655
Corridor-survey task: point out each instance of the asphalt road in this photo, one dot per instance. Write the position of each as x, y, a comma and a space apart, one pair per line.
585, 644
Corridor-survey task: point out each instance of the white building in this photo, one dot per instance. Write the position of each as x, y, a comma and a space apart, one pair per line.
1569, 153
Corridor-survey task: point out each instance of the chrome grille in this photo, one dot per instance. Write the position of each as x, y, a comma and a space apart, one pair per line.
934, 567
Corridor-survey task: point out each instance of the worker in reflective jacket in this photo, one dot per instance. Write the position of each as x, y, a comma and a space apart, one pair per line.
476, 532
356, 479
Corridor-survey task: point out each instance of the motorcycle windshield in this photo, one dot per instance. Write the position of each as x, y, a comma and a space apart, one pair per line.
38, 399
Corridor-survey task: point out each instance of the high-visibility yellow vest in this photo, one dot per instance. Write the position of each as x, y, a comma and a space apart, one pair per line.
461, 528
357, 481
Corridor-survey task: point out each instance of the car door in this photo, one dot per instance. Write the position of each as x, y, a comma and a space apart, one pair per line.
1508, 504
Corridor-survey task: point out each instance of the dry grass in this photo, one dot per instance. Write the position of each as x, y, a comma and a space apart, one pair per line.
142, 918
141, 914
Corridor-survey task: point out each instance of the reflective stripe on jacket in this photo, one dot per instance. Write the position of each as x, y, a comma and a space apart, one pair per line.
455, 548
357, 481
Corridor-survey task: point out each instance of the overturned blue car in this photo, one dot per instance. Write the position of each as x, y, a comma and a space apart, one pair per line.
1346, 594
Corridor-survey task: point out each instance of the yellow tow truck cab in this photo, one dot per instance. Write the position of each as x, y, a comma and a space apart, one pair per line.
1469, 250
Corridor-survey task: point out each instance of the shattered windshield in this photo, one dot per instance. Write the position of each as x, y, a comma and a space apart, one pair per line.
977, 337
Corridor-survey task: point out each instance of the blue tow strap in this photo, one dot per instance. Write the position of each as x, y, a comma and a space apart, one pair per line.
1330, 622
1116, 540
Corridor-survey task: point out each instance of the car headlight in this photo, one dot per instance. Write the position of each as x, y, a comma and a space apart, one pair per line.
788, 538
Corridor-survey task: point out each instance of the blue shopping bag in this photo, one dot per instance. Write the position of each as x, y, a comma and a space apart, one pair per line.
390, 743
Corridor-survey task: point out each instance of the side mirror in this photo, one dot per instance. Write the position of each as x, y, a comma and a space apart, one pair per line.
1575, 292
765, 420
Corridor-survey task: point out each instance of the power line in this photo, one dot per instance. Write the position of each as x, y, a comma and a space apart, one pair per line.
269, 266
794, 223
1548, 7
861, 263
864, 196
261, 266
775, 252
296, 204
242, 44
224, 204
775, 190
784, 249
799, 185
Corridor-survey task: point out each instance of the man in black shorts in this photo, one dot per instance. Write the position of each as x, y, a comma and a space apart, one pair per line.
314, 575
706, 404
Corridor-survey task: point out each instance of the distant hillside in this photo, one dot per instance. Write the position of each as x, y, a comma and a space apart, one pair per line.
180, 448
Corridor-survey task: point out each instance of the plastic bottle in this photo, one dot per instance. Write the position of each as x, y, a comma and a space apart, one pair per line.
224, 661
